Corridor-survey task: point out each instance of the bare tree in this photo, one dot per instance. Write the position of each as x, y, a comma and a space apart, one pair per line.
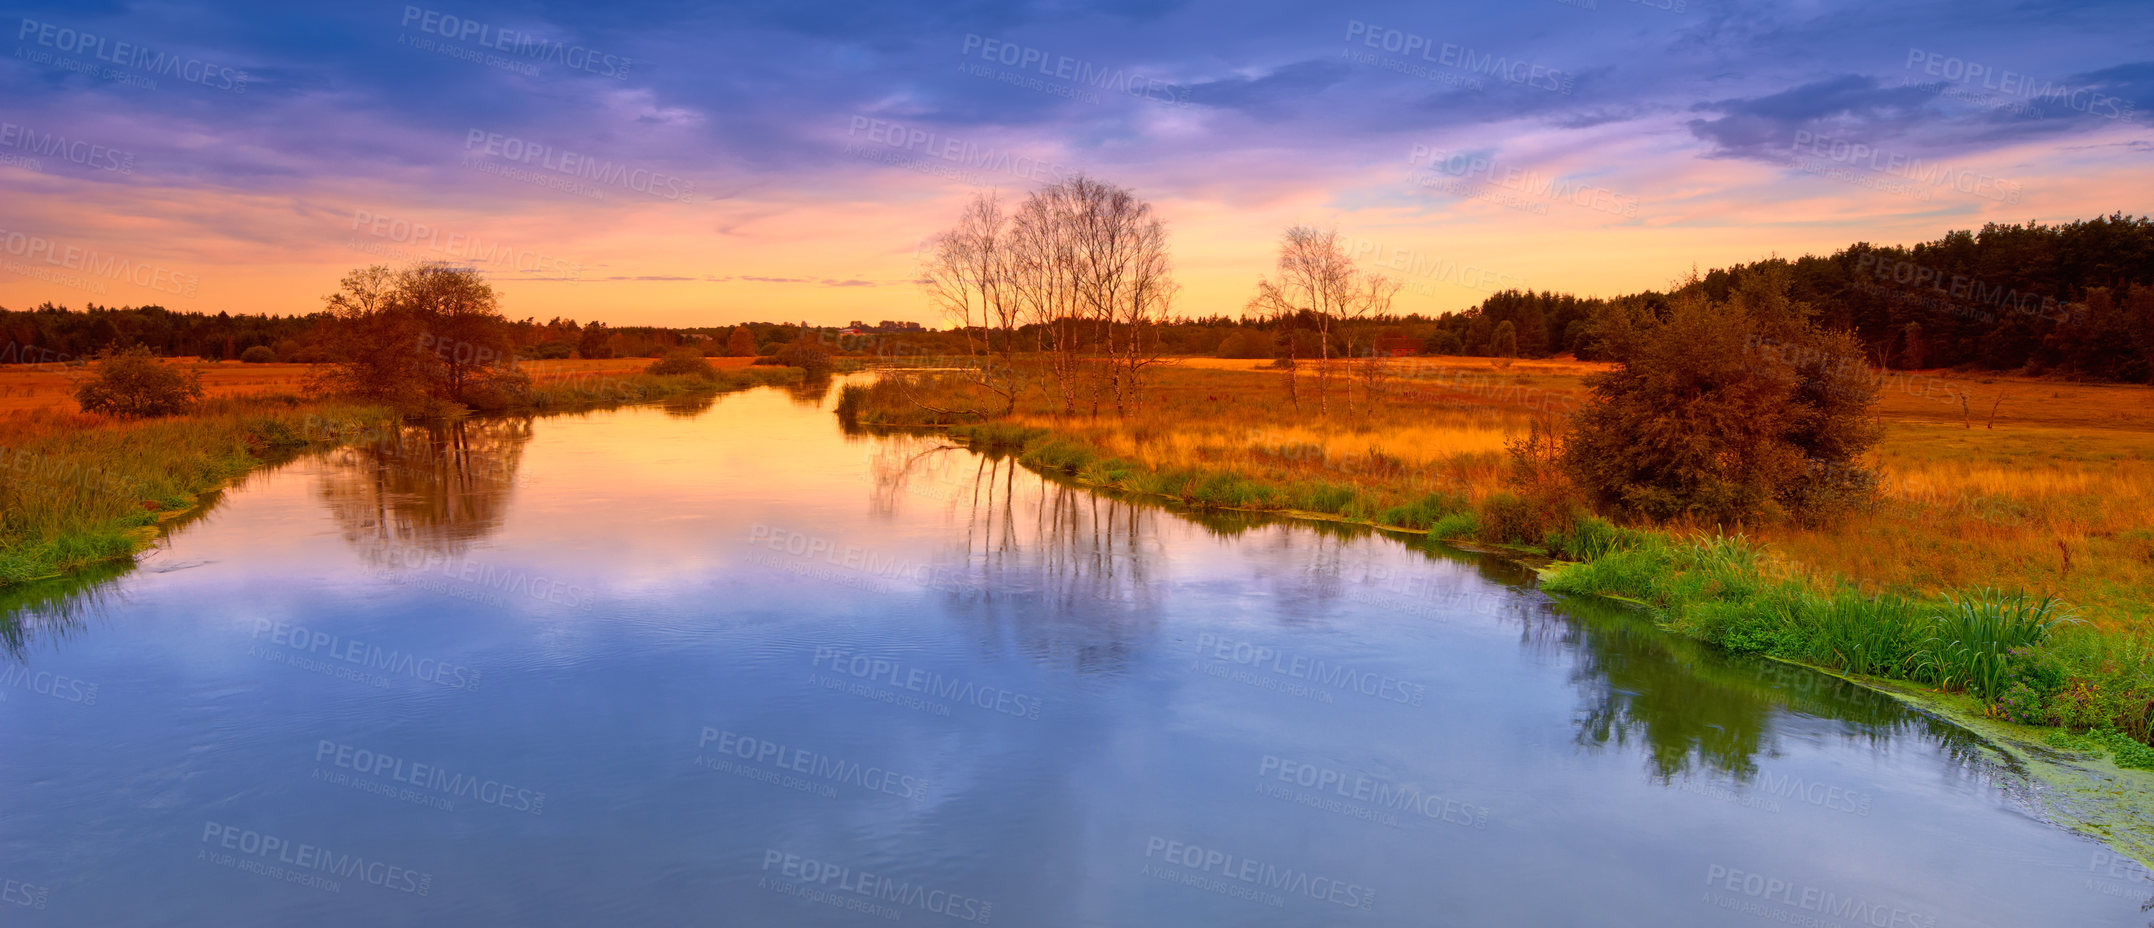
1088, 266
1318, 285
968, 275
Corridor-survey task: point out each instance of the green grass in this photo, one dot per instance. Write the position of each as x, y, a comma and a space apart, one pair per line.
72, 496
643, 387
2014, 655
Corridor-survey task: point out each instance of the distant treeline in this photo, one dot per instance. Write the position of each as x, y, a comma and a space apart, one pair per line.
2075, 299
55, 334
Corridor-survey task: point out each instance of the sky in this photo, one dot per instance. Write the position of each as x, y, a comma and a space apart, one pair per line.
659, 163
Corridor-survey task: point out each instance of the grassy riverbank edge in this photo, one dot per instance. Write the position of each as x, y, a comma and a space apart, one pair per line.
101, 492
2083, 787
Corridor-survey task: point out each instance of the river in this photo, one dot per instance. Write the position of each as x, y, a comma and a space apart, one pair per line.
723, 663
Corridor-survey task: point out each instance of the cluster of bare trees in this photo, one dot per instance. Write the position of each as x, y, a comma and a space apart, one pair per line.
1319, 288
1078, 273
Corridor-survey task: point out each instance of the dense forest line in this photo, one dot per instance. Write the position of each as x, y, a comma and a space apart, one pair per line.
2075, 299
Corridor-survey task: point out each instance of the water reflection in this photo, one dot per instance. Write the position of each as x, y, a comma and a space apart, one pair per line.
689, 405
811, 391
966, 579
1083, 564
426, 491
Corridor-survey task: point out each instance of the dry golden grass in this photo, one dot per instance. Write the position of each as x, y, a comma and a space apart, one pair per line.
2028, 484
26, 387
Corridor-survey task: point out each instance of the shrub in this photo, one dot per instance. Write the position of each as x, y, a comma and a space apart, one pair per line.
1506, 519
1730, 411
684, 363
134, 384
811, 358
1463, 524
1589, 539
1876, 635
1972, 638
1425, 512
259, 354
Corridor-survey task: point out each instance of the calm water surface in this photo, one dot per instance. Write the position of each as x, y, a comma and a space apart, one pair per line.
723, 664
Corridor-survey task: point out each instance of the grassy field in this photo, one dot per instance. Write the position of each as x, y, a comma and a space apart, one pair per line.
25, 387
1995, 482
2053, 493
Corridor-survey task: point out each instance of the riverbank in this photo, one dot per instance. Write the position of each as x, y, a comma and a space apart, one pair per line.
1434, 464
78, 490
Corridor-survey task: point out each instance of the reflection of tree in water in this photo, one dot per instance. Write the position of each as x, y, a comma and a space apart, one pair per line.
1687, 702
426, 492
688, 405
1644, 684
1056, 570
810, 392
1069, 564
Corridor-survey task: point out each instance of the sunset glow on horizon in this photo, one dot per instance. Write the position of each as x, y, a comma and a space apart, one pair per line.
666, 165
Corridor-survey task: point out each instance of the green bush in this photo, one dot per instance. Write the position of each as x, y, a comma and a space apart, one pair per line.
1876, 635
133, 384
259, 354
1971, 638
683, 362
804, 354
1462, 524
